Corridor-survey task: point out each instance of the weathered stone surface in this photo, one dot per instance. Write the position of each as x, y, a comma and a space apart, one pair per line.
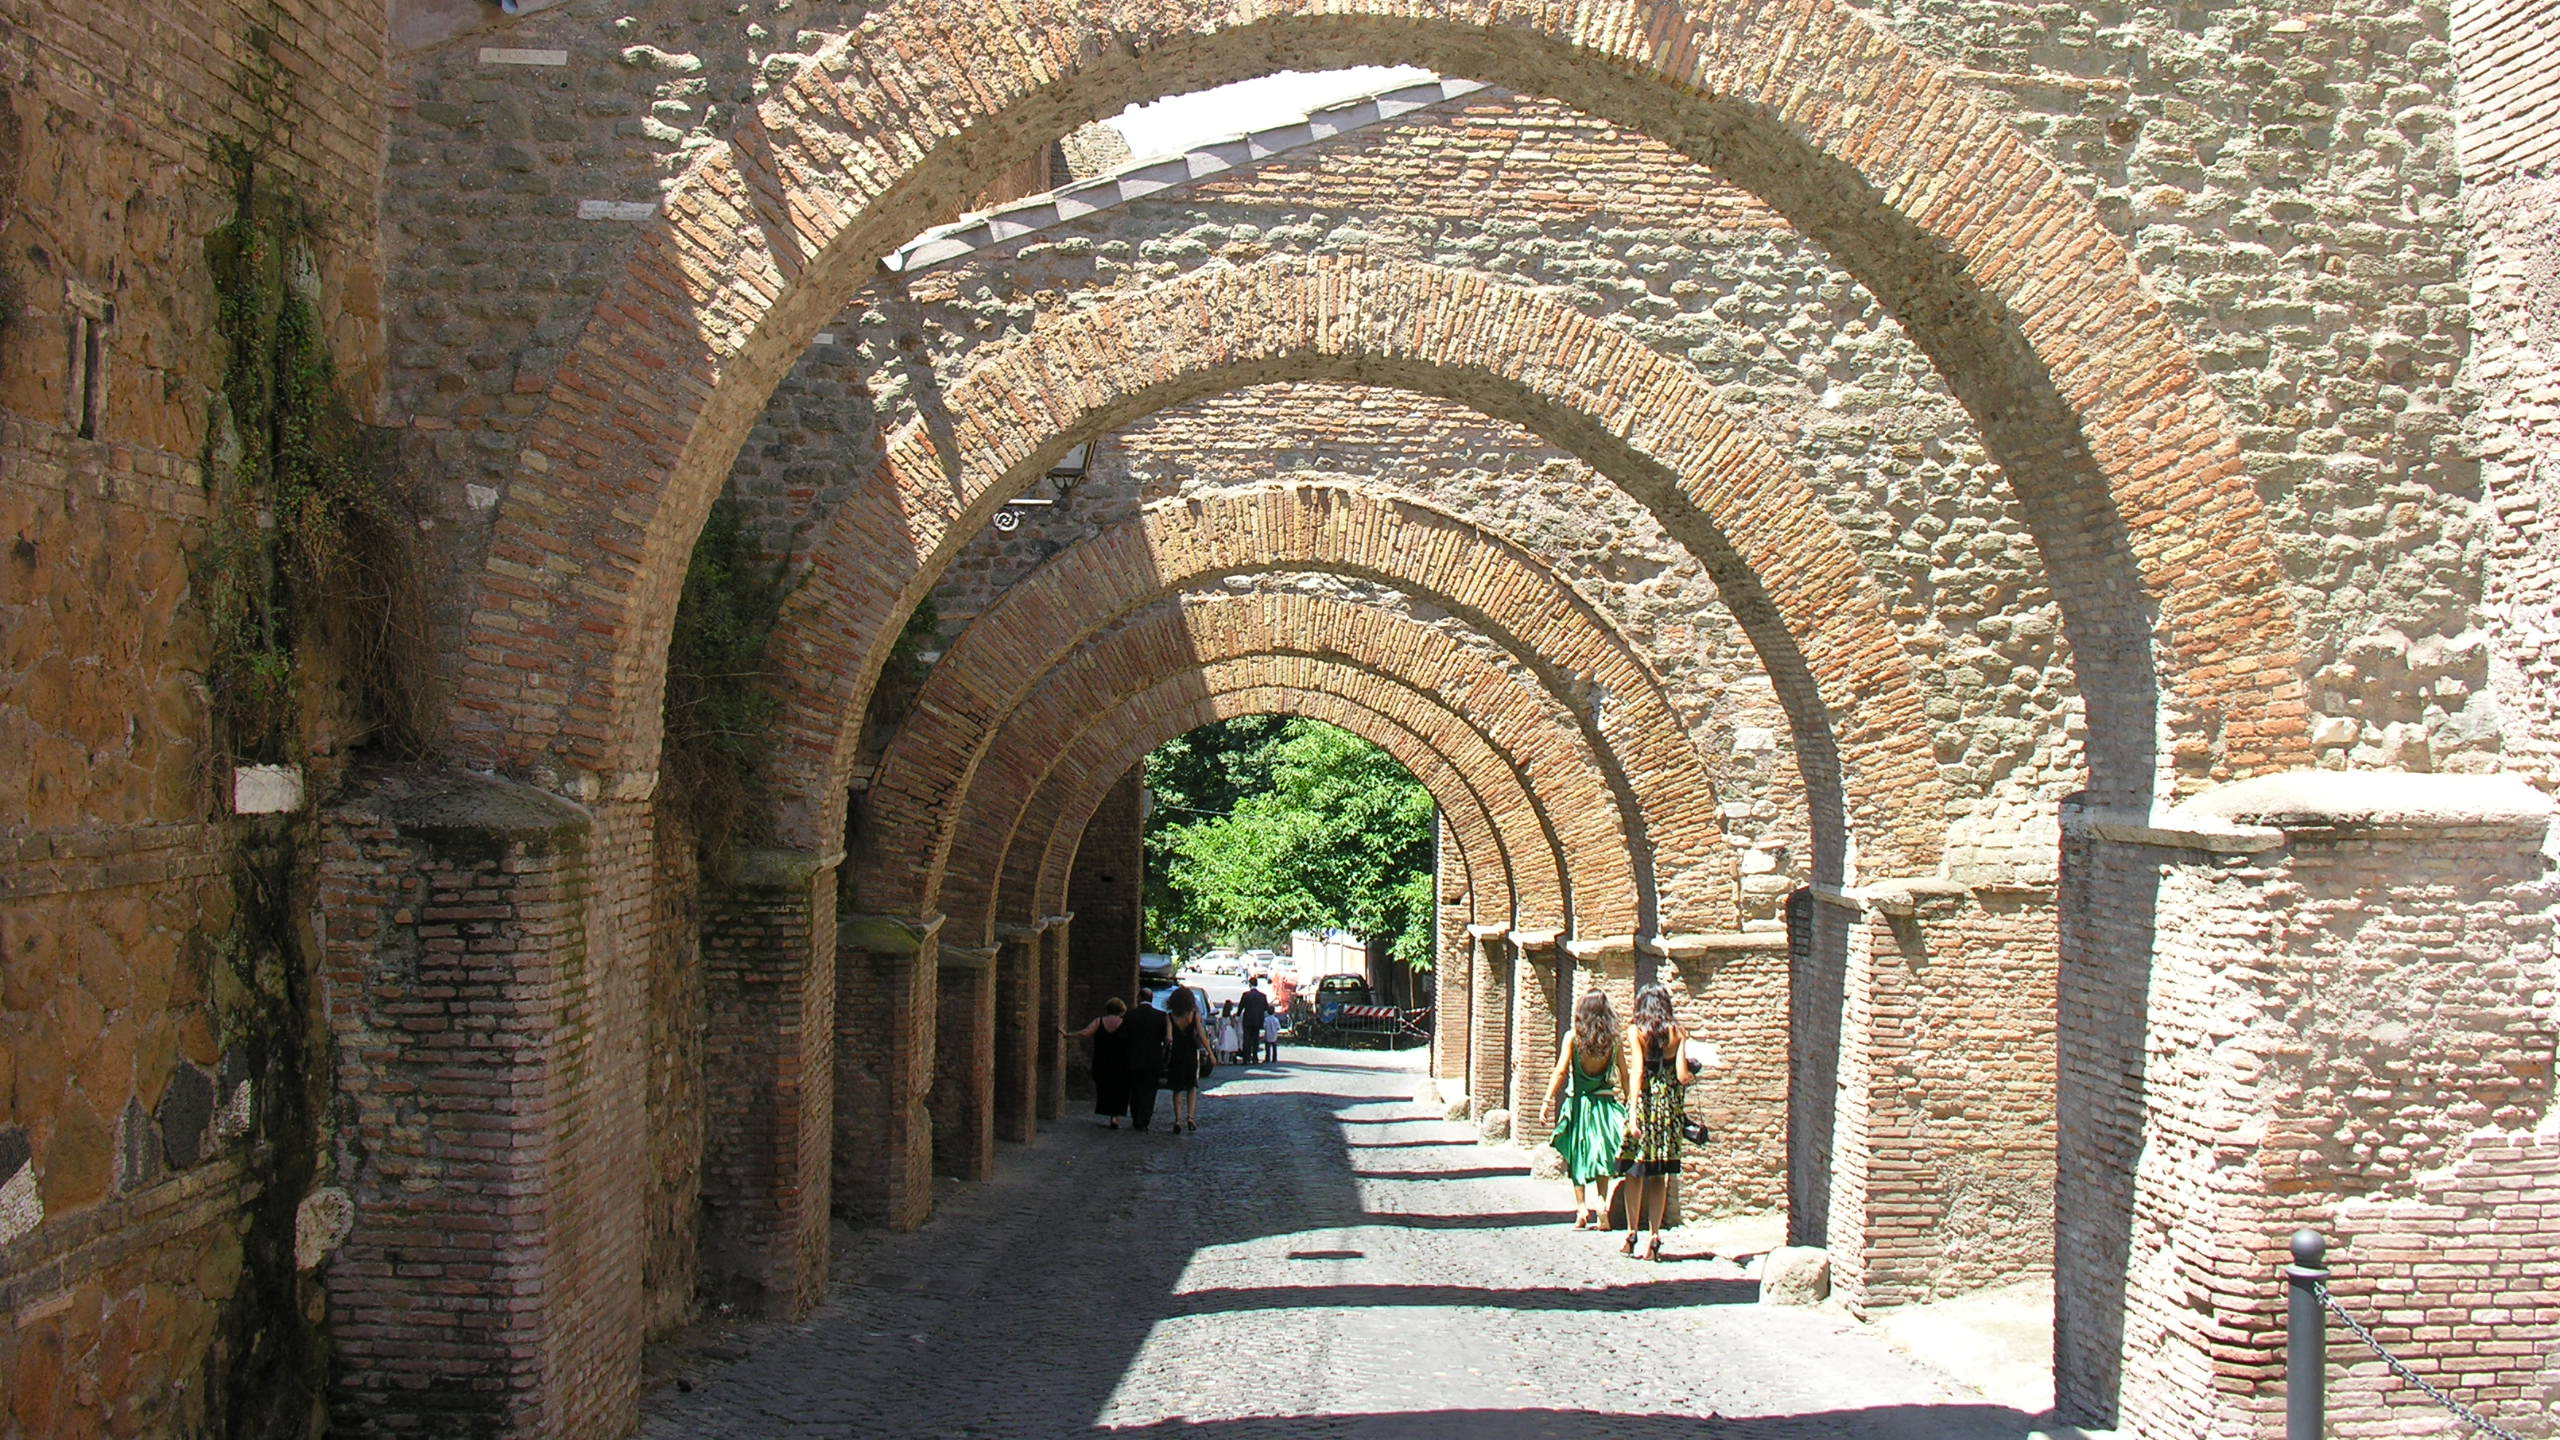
1795, 1275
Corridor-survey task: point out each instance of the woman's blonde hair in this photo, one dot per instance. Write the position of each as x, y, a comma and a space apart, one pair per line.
1595, 1024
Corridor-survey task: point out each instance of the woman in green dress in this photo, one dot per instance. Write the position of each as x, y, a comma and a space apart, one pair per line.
1586, 1097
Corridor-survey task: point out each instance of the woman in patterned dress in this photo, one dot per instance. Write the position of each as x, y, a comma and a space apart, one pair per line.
1658, 1049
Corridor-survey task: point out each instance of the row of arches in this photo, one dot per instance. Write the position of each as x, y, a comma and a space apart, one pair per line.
1584, 837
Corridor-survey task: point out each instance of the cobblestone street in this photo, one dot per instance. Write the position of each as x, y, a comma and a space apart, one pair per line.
1324, 1258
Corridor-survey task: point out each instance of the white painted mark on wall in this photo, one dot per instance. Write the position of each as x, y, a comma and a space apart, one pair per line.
482, 497
21, 1206
500, 55
266, 789
617, 209
823, 337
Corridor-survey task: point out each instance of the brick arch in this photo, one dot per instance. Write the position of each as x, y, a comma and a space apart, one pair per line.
1663, 786
1004, 880
1818, 622
2032, 309
1047, 824
1504, 735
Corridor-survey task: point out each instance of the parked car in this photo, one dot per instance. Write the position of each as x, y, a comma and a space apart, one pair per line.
1335, 991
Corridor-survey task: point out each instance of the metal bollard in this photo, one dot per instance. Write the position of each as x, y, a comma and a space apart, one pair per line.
2306, 1340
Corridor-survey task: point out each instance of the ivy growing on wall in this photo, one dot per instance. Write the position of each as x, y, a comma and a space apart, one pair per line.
306, 562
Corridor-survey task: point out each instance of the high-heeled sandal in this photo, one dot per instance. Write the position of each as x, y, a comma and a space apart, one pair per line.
1653, 1248
1628, 1247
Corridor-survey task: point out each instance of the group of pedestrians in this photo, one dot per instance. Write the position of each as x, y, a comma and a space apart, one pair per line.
1140, 1052
1616, 1096
1248, 1030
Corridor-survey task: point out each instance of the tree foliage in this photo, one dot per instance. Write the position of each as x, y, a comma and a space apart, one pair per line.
1268, 824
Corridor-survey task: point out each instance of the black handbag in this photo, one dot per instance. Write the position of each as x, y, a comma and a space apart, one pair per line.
1694, 1131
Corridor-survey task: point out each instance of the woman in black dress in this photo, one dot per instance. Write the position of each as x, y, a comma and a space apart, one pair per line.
1183, 1048
1110, 1066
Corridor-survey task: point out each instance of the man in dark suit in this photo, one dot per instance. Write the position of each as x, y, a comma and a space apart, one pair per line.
1143, 1032
1250, 1012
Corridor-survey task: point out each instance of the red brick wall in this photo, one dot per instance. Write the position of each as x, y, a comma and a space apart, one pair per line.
1489, 1044
116, 847
1942, 1177
2342, 1031
492, 1278
769, 956
963, 1098
887, 1019
1735, 995
1018, 1039
678, 1116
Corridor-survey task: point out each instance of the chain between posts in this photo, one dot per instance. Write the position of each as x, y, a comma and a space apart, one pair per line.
2306, 1357
2465, 1413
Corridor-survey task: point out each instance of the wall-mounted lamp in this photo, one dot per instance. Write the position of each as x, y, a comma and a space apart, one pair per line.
1063, 478
1065, 475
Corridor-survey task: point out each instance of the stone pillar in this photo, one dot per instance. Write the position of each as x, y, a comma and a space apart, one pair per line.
1541, 1007
1051, 948
964, 1069
1017, 1040
1489, 1039
479, 982
1453, 989
2308, 999
1943, 1156
769, 976
1820, 925
887, 1017
1608, 963
1730, 989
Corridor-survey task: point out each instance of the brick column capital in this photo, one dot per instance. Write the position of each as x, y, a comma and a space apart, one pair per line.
887, 934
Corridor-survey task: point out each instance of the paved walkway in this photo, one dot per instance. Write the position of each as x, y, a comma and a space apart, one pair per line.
1323, 1259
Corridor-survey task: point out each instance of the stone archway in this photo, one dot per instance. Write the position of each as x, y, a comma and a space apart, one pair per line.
1790, 577
2027, 303
1019, 868
1508, 740
1663, 787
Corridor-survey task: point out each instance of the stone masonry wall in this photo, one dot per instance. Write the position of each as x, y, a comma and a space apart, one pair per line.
124, 1095
2330, 1015
2220, 188
1735, 996
2509, 51
527, 153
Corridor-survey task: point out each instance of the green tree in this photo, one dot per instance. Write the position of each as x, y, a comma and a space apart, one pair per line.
1320, 830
